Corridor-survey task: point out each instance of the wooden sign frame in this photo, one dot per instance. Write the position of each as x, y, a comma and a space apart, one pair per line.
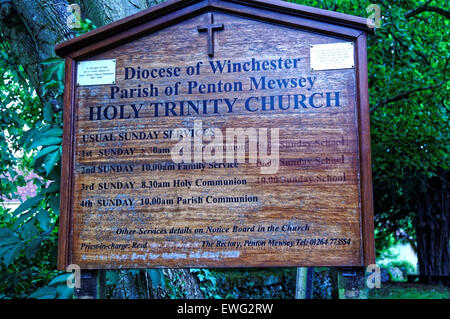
169, 13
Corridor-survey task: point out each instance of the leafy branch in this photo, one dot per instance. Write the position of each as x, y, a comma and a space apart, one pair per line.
427, 8
406, 94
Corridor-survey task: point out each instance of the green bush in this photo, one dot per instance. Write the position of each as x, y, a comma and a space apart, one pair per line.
405, 266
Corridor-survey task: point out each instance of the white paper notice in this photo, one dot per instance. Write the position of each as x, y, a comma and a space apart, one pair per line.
96, 72
332, 56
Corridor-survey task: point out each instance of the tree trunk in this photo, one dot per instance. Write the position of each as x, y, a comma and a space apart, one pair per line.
32, 28
432, 231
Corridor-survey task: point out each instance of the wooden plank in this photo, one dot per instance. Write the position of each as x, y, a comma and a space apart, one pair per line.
67, 167
318, 187
365, 151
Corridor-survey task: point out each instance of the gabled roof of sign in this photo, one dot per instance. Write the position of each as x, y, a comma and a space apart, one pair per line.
173, 11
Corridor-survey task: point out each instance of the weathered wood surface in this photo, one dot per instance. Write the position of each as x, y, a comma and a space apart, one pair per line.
316, 190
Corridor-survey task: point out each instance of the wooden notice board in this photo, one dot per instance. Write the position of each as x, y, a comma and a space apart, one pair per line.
217, 134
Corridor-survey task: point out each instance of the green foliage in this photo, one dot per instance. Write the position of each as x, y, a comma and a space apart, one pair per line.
27, 234
30, 140
209, 281
19, 109
56, 289
322, 284
409, 99
176, 287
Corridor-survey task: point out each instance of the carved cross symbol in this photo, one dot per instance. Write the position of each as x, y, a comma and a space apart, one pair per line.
210, 28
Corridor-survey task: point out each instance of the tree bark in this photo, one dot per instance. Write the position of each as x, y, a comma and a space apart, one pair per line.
32, 28
102, 12
432, 231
